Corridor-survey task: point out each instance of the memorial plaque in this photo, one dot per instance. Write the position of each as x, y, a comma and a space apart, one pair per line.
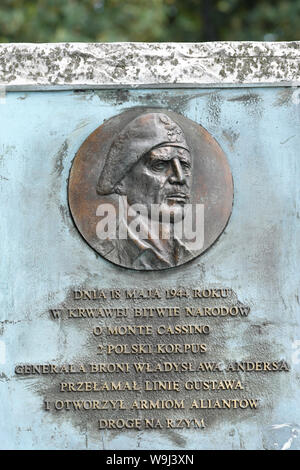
150, 246
155, 174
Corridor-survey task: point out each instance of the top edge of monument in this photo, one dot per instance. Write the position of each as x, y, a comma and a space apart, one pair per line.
79, 66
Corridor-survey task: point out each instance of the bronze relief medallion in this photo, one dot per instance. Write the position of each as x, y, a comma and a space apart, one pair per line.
150, 189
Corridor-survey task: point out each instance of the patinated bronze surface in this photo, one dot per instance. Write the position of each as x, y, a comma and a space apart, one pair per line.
149, 158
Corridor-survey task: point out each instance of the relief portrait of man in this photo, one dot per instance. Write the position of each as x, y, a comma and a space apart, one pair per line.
150, 164
167, 182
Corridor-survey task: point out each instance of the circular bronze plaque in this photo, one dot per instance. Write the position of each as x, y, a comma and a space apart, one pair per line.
150, 189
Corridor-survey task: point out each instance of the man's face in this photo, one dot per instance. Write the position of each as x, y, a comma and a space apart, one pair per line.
161, 177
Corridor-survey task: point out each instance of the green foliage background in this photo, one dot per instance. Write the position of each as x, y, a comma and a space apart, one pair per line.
148, 20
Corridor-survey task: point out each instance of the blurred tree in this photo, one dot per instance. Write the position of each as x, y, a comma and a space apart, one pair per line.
148, 20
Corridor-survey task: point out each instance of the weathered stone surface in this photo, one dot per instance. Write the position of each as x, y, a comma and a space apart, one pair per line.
84, 65
46, 261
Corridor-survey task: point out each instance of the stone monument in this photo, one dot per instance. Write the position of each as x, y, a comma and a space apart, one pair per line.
150, 246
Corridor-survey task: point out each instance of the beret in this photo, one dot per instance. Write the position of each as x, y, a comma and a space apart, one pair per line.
141, 135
